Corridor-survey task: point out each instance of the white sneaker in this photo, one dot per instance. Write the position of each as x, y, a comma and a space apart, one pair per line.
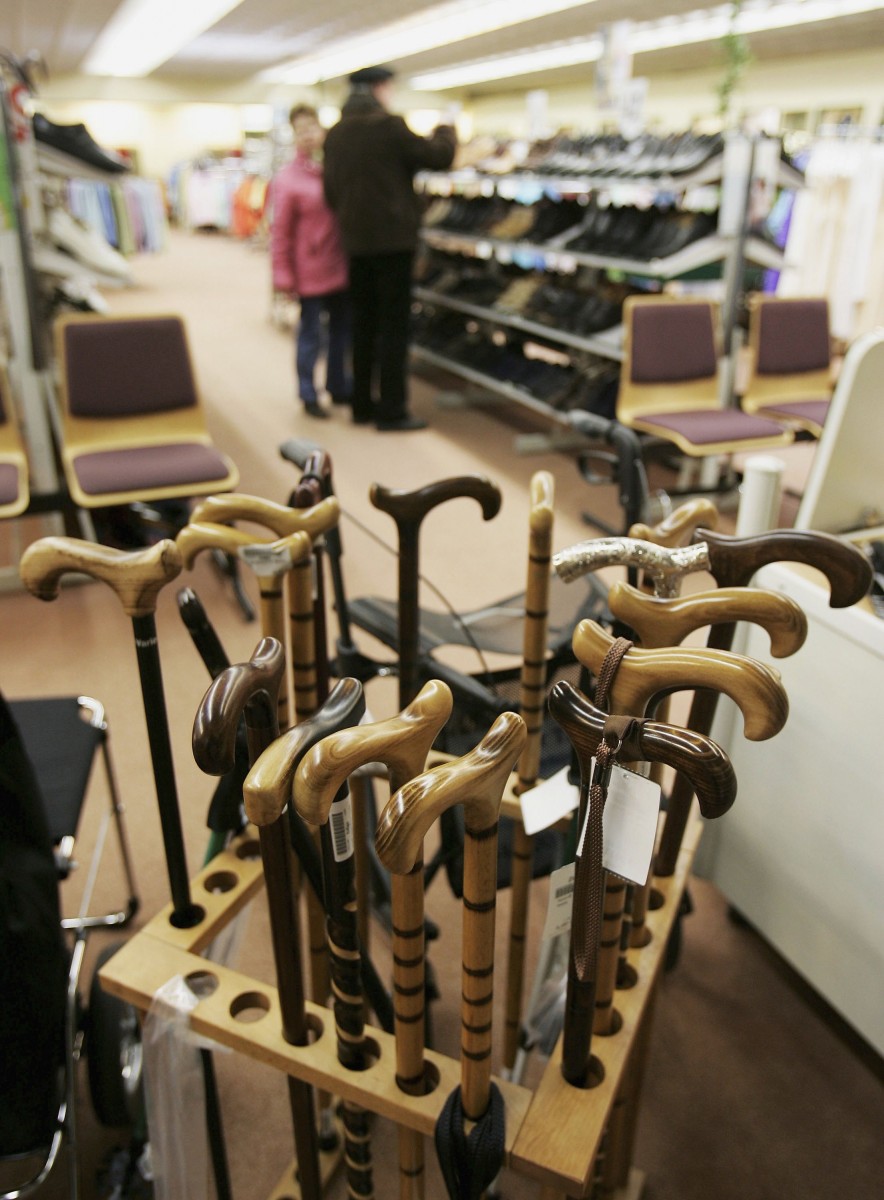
87, 245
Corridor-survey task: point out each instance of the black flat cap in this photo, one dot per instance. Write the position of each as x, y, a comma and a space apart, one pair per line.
372, 75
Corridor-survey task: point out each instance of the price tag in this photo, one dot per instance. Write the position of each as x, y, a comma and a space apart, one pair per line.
265, 559
629, 826
340, 820
547, 803
561, 902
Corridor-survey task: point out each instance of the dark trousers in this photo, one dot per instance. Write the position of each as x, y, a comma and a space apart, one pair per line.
380, 294
336, 307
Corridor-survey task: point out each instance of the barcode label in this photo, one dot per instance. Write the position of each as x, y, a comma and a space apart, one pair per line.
341, 825
561, 892
561, 901
267, 558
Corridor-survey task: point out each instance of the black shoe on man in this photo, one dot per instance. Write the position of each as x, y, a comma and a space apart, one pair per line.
401, 425
316, 410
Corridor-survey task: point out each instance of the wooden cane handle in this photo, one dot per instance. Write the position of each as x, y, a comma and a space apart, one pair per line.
319, 467
476, 781
137, 576
268, 786
665, 565
274, 557
217, 718
410, 508
678, 528
278, 518
540, 520
733, 561
306, 494
402, 743
663, 622
703, 761
647, 674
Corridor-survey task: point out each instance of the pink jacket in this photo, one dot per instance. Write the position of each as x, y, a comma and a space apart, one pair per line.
306, 254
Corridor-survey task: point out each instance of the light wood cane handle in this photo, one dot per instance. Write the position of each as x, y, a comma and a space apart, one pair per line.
412, 507
268, 786
666, 566
402, 743
217, 718
661, 622
273, 558
678, 528
476, 781
647, 674
699, 758
543, 490
278, 518
733, 561
137, 576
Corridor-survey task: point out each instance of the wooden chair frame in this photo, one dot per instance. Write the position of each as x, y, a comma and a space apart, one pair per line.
12, 450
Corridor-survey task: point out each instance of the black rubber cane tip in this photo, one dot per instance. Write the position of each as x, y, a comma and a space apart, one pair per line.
328, 1142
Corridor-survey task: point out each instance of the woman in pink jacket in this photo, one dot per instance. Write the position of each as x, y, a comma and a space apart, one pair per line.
308, 263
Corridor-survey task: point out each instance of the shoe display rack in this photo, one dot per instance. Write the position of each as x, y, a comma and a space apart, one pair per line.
545, 253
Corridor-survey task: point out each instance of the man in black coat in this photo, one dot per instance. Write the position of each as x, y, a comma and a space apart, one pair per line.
371, 157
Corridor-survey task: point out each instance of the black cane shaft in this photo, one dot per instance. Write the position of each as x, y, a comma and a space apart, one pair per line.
285, 931
409, 612
217, 1147
577, 1031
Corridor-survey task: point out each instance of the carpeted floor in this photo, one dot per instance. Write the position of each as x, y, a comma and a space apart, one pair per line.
750, 1092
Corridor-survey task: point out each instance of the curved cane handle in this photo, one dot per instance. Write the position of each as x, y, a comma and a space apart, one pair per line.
665, 566
267, 558
268, 786
402, 743
319, 467
733, 561
678, 528
476, 781
645, 674
137, 576
254, 684
410, 508
703, 761
278, 518
659, 623
542, 492
307, 493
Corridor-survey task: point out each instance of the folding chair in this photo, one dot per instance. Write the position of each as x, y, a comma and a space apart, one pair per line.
669, 384
14, 491
790, 364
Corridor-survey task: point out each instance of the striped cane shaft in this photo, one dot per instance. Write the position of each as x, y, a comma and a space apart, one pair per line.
477, 982
609, 954
303, 640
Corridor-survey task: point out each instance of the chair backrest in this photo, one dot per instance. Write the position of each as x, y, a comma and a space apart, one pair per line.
789, 350
14, 494
671, 357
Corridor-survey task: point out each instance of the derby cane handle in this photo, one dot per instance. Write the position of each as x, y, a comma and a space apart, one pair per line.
666, 566
644, 674
662, 622
678, 528
703, 761
410, 508
733, 561
137, 576
476, 781
281, 554
402, 743
278, 518
268, 786
255, 682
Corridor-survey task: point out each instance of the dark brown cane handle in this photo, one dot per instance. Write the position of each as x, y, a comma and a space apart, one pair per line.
733, 561
662, 622
306, 494
137, 576
268, 786
476, 781
280, 519
254, 683
646, 675
402, 743
703, 761
678, 528
410, 508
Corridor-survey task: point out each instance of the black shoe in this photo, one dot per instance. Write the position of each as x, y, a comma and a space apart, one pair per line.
401, 425
314, 410
78, 142
336, 399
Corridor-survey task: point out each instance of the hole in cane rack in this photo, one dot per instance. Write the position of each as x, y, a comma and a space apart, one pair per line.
315, 1028
202, 983
249, 850
221, 881
656, 899
249, 1007
616, 1026
640, 938
595, 1073
431, 1078
627, 976
371, 1052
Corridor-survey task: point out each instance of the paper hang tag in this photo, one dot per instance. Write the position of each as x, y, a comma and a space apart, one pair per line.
340, 820
629, 825
547, 803
265, 559
561, 902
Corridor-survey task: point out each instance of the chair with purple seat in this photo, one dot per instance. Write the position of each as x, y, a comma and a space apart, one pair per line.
132, 424
790, 366
14, 490
669, 383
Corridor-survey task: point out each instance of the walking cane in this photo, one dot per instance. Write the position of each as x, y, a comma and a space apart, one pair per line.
402, 744
408, 510
251, 690
531, 706
137, 577
733, 562
679, 526
477, 782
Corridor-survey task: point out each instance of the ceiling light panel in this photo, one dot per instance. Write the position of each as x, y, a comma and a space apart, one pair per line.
142, 34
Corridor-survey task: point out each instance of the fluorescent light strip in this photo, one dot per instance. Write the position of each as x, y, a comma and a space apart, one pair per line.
142, 34
703, 25
428, 29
